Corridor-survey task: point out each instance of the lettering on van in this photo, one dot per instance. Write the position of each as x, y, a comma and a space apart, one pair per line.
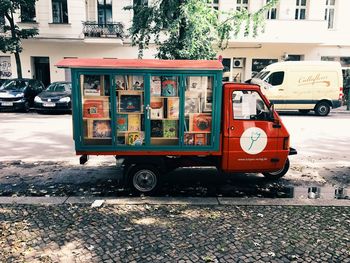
314, 79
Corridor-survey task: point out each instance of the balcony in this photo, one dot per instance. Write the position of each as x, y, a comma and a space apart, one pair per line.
103, 33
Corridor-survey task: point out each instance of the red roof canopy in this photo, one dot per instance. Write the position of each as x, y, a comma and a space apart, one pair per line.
139, 64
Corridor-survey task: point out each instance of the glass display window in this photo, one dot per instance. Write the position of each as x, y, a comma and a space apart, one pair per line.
164, 110
96, 112
130, 128
198, 105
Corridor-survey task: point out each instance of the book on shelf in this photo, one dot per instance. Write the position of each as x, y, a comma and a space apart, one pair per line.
170, 128
156, 108
101, 129
137, 82
92, 85
173, 108
135, 138
122, 122
200, 138
192, 105
200, 122
134, 122
96, 108
156, 128
156, 86
194, 84
121, 139
130, 101
121, 82
169, 87
189, 138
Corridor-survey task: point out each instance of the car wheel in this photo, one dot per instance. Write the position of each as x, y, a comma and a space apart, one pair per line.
322, 108
278, 174
144, 178
26, 107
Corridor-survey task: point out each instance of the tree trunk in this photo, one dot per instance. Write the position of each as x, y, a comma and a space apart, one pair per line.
18, 64
14, 36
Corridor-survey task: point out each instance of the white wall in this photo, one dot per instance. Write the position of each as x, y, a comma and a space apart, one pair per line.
58, 50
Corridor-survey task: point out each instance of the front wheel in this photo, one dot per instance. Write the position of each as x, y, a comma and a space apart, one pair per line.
322, 108
26, 107
278, 174
144, 178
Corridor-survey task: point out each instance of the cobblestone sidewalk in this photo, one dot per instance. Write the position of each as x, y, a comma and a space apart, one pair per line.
174, 233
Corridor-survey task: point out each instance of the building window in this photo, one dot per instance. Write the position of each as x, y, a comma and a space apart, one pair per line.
104, 8
271, 13
214, 4
294, 57
59, 11
260, 64
241, 4
329, 13
28, 13
300, 10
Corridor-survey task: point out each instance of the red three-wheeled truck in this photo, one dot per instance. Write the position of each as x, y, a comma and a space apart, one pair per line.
159, 115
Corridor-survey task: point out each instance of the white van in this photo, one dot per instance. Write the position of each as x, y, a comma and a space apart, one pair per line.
302, 85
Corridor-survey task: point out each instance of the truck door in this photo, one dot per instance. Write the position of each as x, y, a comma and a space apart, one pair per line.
251, 134
276, 89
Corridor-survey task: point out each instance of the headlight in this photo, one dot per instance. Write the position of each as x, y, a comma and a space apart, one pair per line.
20, 95
65, 99
37, 99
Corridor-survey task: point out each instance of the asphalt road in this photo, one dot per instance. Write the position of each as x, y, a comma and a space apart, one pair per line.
37, 158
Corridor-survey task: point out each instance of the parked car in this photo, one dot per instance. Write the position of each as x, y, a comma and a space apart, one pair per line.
19, 94
57, 97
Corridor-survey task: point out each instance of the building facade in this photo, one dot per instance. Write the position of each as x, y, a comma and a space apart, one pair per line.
295, 30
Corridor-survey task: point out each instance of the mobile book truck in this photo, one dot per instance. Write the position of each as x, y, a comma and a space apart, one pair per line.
159, 115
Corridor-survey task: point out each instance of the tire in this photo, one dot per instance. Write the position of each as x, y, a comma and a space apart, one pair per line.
26, 107
304, 111
322, 108
278, 174
144, 178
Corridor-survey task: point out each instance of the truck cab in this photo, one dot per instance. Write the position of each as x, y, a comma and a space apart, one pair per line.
254, 137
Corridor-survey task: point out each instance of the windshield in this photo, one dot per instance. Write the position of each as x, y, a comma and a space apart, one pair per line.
14, 85
261, 74
59, 87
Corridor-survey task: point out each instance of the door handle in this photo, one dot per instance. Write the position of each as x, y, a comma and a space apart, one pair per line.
148, 108
280, 89
232, 128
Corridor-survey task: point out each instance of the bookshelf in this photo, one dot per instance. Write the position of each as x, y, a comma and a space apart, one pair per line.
161, 115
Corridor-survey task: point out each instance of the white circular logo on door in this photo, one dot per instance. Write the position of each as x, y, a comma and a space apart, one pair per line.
253, 140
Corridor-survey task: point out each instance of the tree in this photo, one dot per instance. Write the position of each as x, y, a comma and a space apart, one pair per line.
187, 29
10, 40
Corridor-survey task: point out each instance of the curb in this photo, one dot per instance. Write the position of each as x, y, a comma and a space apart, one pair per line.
212, 201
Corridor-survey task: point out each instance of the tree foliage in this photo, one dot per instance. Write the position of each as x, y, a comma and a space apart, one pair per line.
10, 40
187, 29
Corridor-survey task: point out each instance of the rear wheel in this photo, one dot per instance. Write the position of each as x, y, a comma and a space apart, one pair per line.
144, 178
322, 108
278, 174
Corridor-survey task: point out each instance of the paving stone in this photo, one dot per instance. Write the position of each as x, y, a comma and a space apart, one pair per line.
147, 233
